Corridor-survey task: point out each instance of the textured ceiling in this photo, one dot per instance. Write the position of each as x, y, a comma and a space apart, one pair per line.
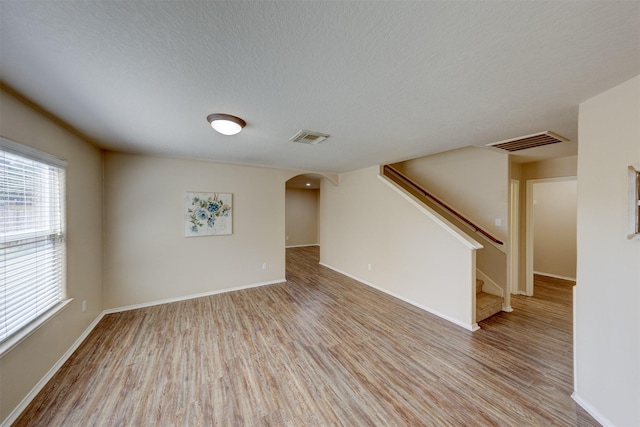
387, 80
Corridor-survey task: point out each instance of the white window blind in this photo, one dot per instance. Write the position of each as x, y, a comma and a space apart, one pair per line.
31, 235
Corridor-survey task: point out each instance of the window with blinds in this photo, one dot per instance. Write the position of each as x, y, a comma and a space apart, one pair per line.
31, 236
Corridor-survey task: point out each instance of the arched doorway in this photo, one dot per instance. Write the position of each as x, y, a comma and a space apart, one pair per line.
302, 202
303, 220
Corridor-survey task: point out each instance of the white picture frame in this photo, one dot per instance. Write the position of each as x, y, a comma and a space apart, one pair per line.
208, 214
634, 202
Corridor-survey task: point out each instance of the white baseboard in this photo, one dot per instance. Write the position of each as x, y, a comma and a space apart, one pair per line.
470, 327
45, 379
591, 410
301, 246
555, 276
188, 297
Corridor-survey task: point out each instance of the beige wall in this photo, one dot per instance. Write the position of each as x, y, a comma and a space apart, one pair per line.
560, 167
23, 366
472, 180
607, 297
301, 217
565, 167
411, 256
148, 258
554, 228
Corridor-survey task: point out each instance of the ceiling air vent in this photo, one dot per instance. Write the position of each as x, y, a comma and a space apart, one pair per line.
529, 141
309, 137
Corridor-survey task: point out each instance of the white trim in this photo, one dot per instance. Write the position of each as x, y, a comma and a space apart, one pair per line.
22, 334
471, 327
302, 246
45, 379
591, 410
574, 332
513, 258
529, 241
436, 217
634, 202
30, 152
529, 227
555, 276
188, 297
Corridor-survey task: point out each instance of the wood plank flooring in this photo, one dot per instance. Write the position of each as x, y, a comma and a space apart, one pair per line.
318, 350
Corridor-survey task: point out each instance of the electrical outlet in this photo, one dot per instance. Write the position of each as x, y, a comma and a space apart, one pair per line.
498, 222
264, 265
84, 306
286, 237
369, 267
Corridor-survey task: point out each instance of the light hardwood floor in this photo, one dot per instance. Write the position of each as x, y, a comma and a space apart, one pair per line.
320, 349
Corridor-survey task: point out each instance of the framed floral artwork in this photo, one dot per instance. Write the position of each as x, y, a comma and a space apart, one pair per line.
208, 214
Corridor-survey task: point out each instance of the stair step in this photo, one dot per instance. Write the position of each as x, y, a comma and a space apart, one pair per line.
479, 284
487, 305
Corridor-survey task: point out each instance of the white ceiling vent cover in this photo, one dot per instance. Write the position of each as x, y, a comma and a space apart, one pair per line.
309, 137
529, 141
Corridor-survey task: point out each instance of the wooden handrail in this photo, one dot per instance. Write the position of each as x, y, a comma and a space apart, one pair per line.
393, 171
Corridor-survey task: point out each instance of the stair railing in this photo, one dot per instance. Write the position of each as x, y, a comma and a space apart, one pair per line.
394, 174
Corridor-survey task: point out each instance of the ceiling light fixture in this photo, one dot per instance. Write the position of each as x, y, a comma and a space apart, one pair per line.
226, 124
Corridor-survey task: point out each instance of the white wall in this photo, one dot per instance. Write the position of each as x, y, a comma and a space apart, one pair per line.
554, 228
23, 366
148, 258
607, 297
366, 222
301, 217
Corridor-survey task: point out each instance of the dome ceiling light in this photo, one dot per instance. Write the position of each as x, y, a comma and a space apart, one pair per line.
226, 124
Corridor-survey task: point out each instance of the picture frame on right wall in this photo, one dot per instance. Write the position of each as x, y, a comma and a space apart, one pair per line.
634, 202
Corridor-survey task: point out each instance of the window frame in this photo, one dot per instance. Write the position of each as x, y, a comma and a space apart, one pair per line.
27, 152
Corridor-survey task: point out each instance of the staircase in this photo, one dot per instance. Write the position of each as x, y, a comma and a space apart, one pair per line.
491, 259
486, 304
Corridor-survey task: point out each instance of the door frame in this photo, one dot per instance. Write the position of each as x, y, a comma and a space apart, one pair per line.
529, 227
514, 225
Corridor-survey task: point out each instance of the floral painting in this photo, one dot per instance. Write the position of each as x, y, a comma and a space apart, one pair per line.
208, 214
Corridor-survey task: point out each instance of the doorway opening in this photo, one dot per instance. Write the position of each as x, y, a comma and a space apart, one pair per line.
302, 210
551, 230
